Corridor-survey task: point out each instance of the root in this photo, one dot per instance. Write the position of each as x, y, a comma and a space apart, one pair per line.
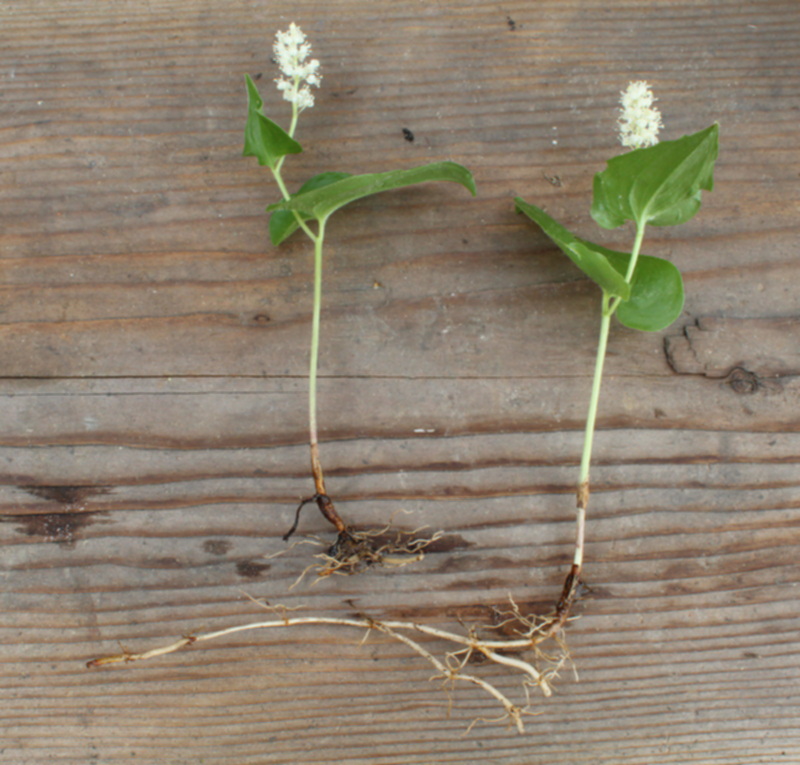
354, 551
537, 672
325, 506
515, 642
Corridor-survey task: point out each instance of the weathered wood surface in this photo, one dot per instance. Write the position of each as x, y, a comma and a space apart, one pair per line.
152, 407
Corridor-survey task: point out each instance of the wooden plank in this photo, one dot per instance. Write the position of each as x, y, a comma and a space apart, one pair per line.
764, 348
153, 394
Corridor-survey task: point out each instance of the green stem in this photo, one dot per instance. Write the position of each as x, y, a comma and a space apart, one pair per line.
320, 496
588, 439
609, 305
314, 360
292, 128
318, 239
637, 246
276, 172
591, 417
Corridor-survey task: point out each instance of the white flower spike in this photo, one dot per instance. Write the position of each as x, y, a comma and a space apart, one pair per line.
291, 53
640, 121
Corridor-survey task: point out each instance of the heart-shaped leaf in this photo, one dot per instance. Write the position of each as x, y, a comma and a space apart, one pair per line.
656, 298
264, 139
659, 184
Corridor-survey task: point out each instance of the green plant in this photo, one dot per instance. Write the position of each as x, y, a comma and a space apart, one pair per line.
309, 209
656, 184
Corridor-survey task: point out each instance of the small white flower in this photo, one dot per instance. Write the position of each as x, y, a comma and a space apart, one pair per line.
640, 121
291, 53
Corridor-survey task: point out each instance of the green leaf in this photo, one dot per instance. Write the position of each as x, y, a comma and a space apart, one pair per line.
652, 301
590, 258
263, 138
319, 203
679, 213
656, 292
659, 184
283, 223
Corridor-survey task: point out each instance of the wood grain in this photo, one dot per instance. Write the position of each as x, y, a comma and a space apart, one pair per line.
153, 393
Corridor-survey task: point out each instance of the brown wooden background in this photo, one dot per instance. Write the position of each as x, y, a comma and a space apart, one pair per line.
153, 353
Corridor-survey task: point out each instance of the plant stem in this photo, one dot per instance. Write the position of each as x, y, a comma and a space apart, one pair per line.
588, 439
320, 496
290, 131
319, 480
637, 246
609, 305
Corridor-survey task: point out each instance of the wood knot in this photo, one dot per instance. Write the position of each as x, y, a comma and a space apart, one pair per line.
743, 381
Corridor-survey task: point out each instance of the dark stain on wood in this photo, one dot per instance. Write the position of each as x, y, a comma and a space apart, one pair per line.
167, 563
487, 583
71, 496
217, 546
250, 569
475, 563
61, 528
473, 614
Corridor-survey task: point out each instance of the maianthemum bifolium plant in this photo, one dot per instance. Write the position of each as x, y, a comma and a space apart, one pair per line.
654, 184
309, 210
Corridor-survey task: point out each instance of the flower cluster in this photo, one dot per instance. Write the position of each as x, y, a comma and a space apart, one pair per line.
640, 121
291, 53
